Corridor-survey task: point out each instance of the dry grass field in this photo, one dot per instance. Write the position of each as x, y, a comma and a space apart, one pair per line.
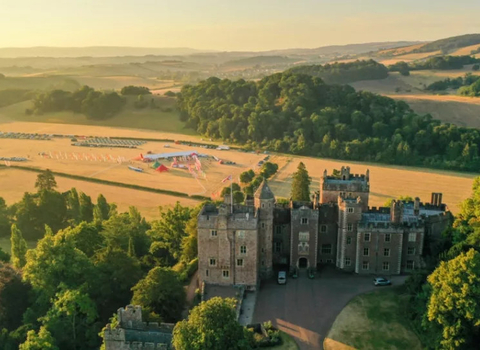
385, 182
465, 50
14, 182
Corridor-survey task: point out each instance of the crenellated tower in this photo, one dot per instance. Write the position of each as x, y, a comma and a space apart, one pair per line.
264, 201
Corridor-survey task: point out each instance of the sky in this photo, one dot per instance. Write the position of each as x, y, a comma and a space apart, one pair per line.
231, 25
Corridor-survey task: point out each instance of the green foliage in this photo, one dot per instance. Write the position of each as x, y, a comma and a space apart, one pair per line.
456, 83
170, 94
268, 169
71, 319
475, 67
471, 90
227, 189
453, 303
435, 63
140, 103
344, 73
94, 104
12, 96
238, 197
388, 202
85, 236
300, 114
135, 90
42, 340
19, 248
14, 297
212, 325
161, 293
301, 184
247, 176
45, 181
103, 206
5, 221
86, 207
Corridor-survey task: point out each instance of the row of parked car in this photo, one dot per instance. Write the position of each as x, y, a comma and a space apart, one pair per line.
24, 136
282, 278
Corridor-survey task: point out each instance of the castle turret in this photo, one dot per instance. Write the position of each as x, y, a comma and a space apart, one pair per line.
265, 202
396, 212
416, 206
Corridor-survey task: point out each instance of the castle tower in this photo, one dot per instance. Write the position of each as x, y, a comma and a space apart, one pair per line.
349, 215
264, 201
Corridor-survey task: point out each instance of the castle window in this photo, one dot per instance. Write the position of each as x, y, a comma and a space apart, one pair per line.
278, 230
344, 177
411, 250
323, 228
366, 238
243, 249
386, 252
226, 274
365, 265
386, 266
213, 262
263, 205
263, 262
329, 261
387, 237
241, 234
412, 237
410, 264
350, 210
262, 225
303, 236
277, 247
240, 262
350, 194
348, 262
206, 273
349, 227
366, 252
213, 233
326, 249
304, 221
349, 240
208, 217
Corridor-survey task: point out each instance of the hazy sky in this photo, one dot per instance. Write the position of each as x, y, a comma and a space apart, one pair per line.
231, 24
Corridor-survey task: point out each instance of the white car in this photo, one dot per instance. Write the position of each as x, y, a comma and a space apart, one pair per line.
282, 277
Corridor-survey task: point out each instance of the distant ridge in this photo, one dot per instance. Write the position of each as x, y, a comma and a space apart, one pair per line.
94, 51
117, 51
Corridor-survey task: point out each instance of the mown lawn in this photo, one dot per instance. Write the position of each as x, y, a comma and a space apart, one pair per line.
165, 118
287, 343
375, 320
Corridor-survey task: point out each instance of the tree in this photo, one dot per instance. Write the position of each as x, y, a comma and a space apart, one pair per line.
170, 229
301, 184
71, 320
212, 325
388, 202
86, 208
161, 293
14, 297
56, 261
5, 221
247, 176
52, 209
42, 340
19, 248
28, 217
475, 67
454, 299
46, 181
73, 205
115, 275
103, 206
85, 237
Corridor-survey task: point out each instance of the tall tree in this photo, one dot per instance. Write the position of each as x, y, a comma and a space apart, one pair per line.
19, 248
28, 217
73, 205
14, 297
52, 208
46, 181
103, 206
161, 293
71, 320
42, 340
301, 184
5, 220
86, 208
212, 325
454, 300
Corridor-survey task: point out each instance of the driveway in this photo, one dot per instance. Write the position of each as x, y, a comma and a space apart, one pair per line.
305, 308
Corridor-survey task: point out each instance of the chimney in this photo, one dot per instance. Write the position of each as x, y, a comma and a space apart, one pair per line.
436, 199
396, 212
416, 206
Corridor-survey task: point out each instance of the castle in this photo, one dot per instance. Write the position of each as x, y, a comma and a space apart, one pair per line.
242, 244
131, 333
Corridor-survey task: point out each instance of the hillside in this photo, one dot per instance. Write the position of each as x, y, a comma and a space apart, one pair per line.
450, 44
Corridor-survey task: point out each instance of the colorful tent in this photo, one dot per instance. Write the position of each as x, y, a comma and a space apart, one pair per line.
161, 168
156, 164
140, 157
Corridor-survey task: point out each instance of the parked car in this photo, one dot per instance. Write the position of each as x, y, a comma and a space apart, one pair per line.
282, 277
380, 281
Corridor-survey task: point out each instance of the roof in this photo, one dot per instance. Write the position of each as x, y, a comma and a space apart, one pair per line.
264, 192
170, 155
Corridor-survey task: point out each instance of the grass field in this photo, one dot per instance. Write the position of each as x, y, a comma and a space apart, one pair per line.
287, 343
147, 118
375, 320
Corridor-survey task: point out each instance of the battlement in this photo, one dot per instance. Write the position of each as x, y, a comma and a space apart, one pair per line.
132, 333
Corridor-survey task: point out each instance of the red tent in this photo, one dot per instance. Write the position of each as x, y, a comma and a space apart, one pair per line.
140, 157
161, 168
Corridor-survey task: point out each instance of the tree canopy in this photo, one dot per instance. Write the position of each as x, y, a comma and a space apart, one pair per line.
135, 90
301, 184
212, 325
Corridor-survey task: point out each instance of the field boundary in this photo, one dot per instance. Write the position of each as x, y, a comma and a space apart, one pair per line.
110, 183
